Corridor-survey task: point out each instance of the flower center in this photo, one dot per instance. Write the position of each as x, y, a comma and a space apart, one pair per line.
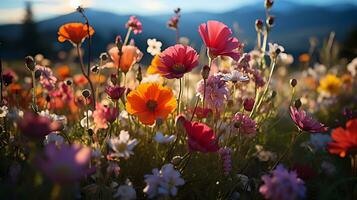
178, 68
151, 105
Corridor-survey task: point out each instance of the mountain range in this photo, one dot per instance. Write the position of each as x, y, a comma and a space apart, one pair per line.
294, 25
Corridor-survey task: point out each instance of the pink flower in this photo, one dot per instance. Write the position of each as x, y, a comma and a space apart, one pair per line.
216, 91
282, 184
200, 137
305, 122
66, 163
246, 125
103, 115
173, 22
47, 79
135, 24
219, 41
115, 92
248, 104
37, 127
177, 60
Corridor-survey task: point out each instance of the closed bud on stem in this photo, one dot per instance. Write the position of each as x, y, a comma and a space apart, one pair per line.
103, 57
205, 72
270, 21
86, 93
95, 69
30, 63
293, 82
259, 25
119, 43
297, 103
269, 4
38, 73
68, 81
139, 75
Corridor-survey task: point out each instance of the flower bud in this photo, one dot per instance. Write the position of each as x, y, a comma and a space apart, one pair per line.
139, 75
248, 104
205, 72
95, 69
270, 21
273, 94
68, 81
119, 43
86, 93
293, 82
103, 57
30, 63
297, 103
258, 24
180, 121
269, 4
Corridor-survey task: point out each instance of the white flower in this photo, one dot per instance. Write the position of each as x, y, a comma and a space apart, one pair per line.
152, 78
244, 180
3, 111
235, 76
163, 182
154, 46
285, 59
273, 48
53, 138
58, 118
122, 146
160, 138
352, 67
125, 192
88, 122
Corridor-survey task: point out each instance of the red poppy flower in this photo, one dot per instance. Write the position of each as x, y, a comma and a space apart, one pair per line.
344, 140
201, 137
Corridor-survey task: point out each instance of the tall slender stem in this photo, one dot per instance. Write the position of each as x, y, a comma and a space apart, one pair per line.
205, 81
1, 82
177, 35
127, 36
34, 103
179, 97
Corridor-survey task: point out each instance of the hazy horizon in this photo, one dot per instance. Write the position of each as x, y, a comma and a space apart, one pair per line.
44, 9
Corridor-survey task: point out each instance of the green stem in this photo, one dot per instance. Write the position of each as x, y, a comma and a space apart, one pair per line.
127, 36
179, 97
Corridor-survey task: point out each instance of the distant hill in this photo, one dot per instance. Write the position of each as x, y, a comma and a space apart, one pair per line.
295, 24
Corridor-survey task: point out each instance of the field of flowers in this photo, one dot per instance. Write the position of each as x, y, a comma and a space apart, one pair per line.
224, 122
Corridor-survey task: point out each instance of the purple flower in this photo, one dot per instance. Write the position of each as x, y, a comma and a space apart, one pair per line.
134, 24
66, 163
216, 91
305, 122
282, 184
115, 92
47, 79
246, 125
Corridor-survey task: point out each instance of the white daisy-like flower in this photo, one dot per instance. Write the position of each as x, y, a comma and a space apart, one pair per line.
285, 59
154, 46
3, 111
88, 122
275, 49
162, 139
352, 67
122, 146
59, 118
235, 76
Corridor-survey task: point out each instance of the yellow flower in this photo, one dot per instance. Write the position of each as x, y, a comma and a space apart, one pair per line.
330, 84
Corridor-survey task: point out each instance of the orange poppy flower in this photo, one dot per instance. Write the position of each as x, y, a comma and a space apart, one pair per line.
344, 140
130, 56
151, 101
63, 71
80, 79
74, 32
155, 63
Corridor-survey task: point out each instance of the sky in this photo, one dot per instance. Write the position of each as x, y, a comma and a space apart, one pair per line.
12, 11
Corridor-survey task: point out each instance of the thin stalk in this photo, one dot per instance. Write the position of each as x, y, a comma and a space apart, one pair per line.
179, 97
259, 40
205, 81
127, 36
194, 110
177, 35
1, 82
34, 104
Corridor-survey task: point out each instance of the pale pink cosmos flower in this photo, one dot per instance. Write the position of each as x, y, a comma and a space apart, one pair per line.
47, 79
66, 163
218, 40
135, 24
103, 115
216, 91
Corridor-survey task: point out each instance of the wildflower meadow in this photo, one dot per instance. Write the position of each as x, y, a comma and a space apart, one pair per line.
217, 121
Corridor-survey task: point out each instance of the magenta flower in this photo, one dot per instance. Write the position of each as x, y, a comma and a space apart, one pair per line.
37, 127
305, 122
246, 125
47, 79
218, 40
282, 184
216, 91
103, 115
134, 24
115, 92
65, 164
177, 60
